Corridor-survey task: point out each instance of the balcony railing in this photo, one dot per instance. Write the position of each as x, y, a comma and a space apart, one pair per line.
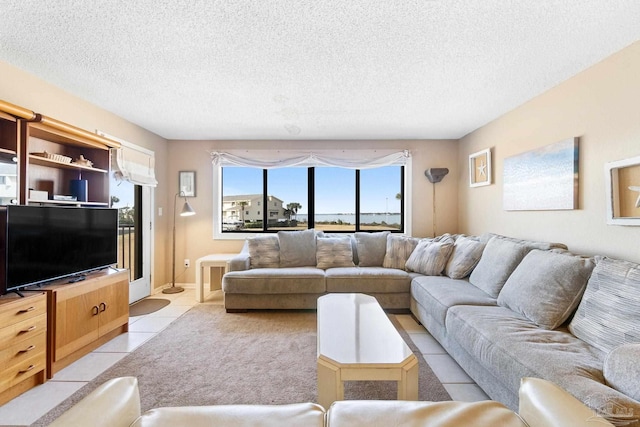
126, 248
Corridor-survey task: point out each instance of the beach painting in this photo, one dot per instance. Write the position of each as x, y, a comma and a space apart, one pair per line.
542, 179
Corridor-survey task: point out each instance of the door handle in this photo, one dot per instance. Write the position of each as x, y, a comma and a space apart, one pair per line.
95, 310
103, 306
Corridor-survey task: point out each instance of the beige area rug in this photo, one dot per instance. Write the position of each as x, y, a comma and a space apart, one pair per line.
147, 306
209, 357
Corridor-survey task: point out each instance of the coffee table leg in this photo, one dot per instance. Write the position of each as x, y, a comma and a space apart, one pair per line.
408, 385
330, 386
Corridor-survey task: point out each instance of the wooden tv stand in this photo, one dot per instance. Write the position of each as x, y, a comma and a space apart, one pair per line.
84, 315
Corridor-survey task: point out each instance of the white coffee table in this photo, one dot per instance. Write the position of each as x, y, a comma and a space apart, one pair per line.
358, 342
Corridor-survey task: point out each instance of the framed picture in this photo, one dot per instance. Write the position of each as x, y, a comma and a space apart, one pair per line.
480, 168
623, 191
542, 179
187, 183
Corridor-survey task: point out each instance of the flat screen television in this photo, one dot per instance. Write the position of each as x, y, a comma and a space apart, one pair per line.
44, 243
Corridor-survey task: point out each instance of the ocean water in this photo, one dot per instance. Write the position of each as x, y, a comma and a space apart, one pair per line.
366, 218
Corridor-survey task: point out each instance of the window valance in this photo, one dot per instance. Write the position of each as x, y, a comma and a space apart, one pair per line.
351, 160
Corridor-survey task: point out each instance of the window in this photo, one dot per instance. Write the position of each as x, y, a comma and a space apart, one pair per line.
332, 199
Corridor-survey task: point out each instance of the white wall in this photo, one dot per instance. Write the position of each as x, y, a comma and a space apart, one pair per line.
600, 106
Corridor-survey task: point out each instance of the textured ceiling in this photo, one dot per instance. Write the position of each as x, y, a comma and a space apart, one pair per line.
322, 69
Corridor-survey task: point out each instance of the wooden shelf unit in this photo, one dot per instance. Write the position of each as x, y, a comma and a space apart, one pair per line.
23, 343
55, 177
85, 315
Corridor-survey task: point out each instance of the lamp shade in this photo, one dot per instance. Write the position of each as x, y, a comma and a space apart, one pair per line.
187, 210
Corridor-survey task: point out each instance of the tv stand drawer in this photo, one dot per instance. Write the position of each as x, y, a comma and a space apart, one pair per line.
23, 343
17, 310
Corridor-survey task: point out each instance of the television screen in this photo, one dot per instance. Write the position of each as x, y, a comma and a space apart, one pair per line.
43, 243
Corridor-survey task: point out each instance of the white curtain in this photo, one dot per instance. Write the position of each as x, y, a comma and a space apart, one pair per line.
311, 159
134, 166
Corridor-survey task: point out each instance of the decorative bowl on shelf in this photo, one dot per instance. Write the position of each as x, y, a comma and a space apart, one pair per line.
57, 157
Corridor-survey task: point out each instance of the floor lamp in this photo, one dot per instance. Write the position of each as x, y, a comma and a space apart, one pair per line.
187, 210
435, 175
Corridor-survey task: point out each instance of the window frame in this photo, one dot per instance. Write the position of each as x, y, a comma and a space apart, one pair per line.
219, 234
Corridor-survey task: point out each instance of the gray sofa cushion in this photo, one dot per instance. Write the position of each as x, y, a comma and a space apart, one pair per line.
499, 258
334, 252
546, 286
465, 256
608, 314
622, 370
264, 251
295, 280
398, 250
371, 248
297, 248
430, 257
436, 294
367, 280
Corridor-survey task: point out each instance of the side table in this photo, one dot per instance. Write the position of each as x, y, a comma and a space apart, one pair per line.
217, 261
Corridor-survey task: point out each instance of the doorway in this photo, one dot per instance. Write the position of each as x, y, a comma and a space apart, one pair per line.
134, 234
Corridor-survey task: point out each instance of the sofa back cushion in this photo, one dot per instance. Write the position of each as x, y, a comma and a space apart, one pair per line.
464, 257
609, 313
546, 286
334, 252
264, 251
398, 251
297, 248
499, 258
430, 256
372, 248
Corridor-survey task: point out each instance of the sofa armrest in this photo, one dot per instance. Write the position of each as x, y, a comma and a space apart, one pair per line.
544, 404
242, 261
115, 403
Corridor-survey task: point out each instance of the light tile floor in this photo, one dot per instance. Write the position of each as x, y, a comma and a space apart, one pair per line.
30, 406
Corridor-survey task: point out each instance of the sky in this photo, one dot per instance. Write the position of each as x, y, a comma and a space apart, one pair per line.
335, 187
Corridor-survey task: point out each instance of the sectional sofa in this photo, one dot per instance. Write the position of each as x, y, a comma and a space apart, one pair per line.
503, 308
116, 403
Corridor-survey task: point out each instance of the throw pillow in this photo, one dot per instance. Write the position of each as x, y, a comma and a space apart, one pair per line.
430, 257
264, 251
499, 258
297, 248
334, 252
398, 251
546, 286
465, 256
371, 248
621, 369
608, 314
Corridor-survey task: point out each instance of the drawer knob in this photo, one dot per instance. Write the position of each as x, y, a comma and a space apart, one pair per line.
31, 347
24, 371
26, 310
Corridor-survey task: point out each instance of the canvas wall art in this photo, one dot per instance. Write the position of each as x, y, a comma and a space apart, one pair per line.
543, 179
